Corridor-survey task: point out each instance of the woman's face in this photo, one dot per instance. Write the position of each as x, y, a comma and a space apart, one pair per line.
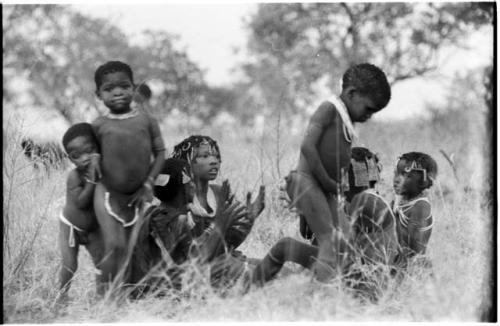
205, 164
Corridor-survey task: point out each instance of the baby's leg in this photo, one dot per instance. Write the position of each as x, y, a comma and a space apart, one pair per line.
285, 250
115, 237
69, 259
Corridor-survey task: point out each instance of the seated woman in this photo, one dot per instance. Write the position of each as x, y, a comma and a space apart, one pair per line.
166, 239
203, 155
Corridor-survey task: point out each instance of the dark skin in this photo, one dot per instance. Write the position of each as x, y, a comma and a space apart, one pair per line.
78, 210
409, 185
324, 153
116, 92
205, 167
127, 146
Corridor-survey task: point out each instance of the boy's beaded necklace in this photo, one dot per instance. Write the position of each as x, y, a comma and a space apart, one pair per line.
134, 112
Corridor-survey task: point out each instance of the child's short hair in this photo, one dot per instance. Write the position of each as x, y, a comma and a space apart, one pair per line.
422, 162
144, 90
109, 67
177, 170
185, 149
369, 80
80, 129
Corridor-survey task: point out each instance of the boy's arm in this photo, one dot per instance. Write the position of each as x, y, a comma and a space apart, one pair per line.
321, 119
417, 237
81, 194
158, 150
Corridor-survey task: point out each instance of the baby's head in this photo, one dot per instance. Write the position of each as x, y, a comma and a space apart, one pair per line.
142, 93
115, 85
415, 172
79, 142
203, 155
363, 171
174, 180
365, 91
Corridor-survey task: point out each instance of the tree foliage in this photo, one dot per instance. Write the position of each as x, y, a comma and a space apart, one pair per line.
58, 50
298, 47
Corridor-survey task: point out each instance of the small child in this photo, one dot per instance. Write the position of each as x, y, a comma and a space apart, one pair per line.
325, 154
78, 225
142, 96
132, 152
414, 174
203, 155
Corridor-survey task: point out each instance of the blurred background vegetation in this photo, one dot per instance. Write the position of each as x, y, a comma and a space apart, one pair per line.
51, 52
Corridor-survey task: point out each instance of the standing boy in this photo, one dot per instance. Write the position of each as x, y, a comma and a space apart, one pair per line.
325, 156
132, 152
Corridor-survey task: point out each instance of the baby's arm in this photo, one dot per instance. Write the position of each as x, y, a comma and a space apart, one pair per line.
417, 235
321, 119
80, 193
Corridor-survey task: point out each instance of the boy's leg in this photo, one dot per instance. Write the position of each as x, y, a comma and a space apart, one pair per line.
95, 248
285, 250
69, 257
313, 204
115, 237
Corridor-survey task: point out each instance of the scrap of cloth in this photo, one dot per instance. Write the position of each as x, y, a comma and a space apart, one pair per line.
364, 171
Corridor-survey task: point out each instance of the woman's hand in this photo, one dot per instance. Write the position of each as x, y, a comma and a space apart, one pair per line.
257, 206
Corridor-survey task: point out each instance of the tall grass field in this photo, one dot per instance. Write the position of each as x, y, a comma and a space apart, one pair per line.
461, 245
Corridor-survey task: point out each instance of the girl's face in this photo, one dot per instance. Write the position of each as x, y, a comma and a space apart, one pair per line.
407, 182
79, 150
205, 164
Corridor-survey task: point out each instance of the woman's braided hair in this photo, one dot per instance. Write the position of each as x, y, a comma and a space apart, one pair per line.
185, 149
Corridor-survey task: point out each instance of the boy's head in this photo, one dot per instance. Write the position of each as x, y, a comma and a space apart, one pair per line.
365, 91
79, 142
115, 85
414, 173
174, 180
363, 171
202, 153
142, 93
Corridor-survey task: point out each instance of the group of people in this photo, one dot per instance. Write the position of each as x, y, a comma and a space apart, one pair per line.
138, 212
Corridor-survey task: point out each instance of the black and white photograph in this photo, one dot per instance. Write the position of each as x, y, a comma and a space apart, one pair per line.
249, 162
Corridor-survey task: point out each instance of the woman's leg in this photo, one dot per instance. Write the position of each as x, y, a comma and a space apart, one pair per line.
285, 250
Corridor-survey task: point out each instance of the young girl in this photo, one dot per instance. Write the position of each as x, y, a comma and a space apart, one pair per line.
78, 225
414, 174
203, 155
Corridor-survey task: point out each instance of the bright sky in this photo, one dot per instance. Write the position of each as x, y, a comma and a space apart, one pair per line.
208, 32
211, 32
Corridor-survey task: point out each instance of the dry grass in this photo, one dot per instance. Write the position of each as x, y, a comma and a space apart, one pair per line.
460, 246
